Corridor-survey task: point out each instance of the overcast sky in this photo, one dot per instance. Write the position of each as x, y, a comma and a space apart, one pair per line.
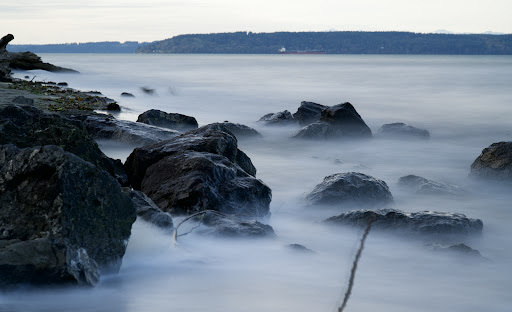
61, 21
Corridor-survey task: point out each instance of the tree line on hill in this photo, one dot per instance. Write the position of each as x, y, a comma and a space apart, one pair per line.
344, 42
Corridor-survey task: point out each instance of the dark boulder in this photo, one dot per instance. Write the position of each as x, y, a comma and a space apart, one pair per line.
173, 121
428, 187
350, 188
283, 118
62, 219
308, 113
189, 182
239, 130
27, 126
401, 130
113, 107
62, 84
213, 138
337, 122
148, 211
126, 94
424, 222
495, 163
232, 227
107, 127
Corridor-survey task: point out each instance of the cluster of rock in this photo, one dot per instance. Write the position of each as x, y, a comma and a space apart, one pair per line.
340, 121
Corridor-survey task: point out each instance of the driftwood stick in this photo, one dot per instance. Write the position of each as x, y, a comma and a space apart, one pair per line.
354, 265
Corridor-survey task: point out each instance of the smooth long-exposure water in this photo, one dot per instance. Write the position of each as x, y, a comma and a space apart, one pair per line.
464, 101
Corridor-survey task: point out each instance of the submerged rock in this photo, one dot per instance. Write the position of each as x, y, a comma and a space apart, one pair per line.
337, 122
148, 211
424, 222
107, 127
173, 121
212, 138
308, 113
401, 130
62, 219
300, 248
27, 126
460, 249
283, 118
494, 163
428, 187
126, 94
232, 227
350, 188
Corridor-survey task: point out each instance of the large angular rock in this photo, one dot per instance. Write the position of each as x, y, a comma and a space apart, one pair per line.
173, 121
424, 222
213, 138
350, 188
428, 187
188, 182
283, 118
148, 211
401, 130
495, 162
27, 126
107, 127
337, 122
62, 220
308, 113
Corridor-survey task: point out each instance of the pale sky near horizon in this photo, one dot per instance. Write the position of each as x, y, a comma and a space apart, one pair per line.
66, 21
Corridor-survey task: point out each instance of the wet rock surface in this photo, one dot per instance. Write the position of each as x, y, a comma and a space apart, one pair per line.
494, 163
240, 131
188, 182
350, 188
148, 211
420, 185
308, 113
63, 220
107, 127
424, 222
27, 126
283, 118
213, 139
401, 130
173, 121
337, 122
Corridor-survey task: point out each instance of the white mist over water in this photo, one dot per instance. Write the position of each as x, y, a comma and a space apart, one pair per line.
464, 101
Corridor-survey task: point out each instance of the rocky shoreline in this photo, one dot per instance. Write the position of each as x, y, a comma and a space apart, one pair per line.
67, 208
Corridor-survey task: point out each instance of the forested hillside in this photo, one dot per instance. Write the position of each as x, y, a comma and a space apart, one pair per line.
346, 42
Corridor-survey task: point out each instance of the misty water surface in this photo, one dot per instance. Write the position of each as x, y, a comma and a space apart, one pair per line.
464, 101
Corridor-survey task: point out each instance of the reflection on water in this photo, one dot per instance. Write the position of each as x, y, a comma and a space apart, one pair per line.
463, 101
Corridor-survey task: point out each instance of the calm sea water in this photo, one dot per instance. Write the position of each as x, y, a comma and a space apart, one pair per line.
464, 101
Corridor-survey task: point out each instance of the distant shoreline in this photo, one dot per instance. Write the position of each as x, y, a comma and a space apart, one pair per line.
346, 42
